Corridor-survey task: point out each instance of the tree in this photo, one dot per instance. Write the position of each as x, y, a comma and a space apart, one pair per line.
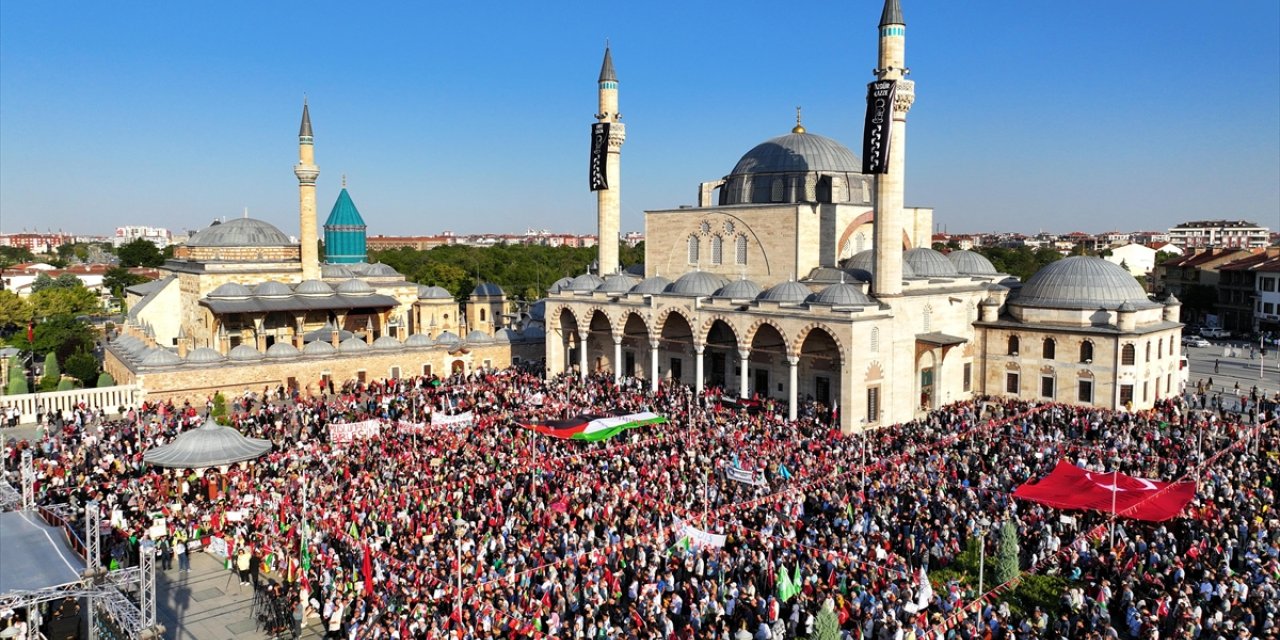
826, 625
13, 309
117, 279
17, 378
83, 367
105, 380
61, 334
56, 301
15, 255
66, 384
139, 253
52, 373
1006, 565
44, 282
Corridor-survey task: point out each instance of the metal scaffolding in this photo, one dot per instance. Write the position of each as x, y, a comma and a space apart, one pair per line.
28, 481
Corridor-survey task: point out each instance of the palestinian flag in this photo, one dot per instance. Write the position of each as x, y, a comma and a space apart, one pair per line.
593, 427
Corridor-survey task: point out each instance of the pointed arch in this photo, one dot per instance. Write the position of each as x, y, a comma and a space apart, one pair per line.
750, 336
797, 346
704, 332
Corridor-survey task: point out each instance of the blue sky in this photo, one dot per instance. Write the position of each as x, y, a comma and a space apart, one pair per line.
1087, 115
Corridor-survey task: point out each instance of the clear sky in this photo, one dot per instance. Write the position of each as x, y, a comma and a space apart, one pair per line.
1082, 115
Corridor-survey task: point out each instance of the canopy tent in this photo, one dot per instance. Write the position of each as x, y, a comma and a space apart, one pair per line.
1070, 487
34, 554
210, 445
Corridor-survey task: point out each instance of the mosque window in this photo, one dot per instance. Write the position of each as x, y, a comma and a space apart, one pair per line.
1160, 349
740, 252
1148, 354
1085, 392
875, 339
705, 227
693, 249
1011, 383
1050, 349
1086, 352
776, 190
859, 242
1013, 345
1128, 354
873, 404
824, 191
729, 228
717, 249
928, 318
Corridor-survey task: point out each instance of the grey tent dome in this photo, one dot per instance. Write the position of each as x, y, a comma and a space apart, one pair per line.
318, 348
697, 283
313, 288
433, 292
240, 232
272, 289
230, 290
1082, 282
786, 292
204, 355
842, 295
335, 271
210, 445
478, 336
584, 282
387, 343
244, 353
739, 290
282, 350
419, 340
487, 289
865, 262
927, 263
448, 338
559, 285
353, 344
651, 286
971, 263
618, 283
158, 357
798, 152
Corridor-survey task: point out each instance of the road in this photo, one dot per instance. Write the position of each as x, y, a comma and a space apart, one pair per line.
1233, 370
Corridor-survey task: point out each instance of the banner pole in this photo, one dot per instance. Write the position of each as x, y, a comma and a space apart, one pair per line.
1115, 477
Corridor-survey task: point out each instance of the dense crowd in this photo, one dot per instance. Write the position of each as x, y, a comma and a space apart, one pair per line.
568, 539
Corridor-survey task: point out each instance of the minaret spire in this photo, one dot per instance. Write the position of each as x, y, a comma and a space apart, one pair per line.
607, 73
890, 217
892, 13
305, 130
307, 172
609, 133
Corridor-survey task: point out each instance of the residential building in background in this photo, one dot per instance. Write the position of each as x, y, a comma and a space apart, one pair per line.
1266, 310
1220, 234
1138, 259
36, 242
158, 236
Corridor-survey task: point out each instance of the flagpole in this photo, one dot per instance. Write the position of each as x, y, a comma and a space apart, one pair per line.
1115, 477
302, 549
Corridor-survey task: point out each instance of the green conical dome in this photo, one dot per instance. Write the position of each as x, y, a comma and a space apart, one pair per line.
344, 232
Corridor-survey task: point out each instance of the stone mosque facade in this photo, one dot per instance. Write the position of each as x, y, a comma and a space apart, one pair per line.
799, 277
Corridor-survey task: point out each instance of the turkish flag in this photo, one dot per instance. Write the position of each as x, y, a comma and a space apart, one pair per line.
1070, 487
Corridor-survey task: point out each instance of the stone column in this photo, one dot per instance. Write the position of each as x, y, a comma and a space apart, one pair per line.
697, 350
793, 371
617, 359
653, 365
743, 383
582, 355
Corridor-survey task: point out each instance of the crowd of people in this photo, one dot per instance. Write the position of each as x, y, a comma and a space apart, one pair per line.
490, 529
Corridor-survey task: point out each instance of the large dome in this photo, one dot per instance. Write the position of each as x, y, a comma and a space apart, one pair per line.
798, 152
1082, 282
240, 232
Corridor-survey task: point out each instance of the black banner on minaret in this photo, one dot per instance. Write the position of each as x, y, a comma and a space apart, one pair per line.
599, 172
876, 130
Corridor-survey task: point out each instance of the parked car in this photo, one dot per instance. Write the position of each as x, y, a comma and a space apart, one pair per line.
1215, 332
1194, 341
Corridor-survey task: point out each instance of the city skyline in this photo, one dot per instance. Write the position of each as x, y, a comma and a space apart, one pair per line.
455, 120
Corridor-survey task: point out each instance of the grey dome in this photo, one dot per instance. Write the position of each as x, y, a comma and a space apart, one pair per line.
865, 262
487, 289
418, 340
313, 288
786, 292
129, 344
240, 232
798, 153
739, 290
448, 338
318, 348
387, 343
335, 271
697, 283
831, 275
355, 287
559, 285
158, 357
842, 295
230, 290
479, 336
654, 285
618, 283
353, 344
281, 350
505, 335
927, 263
244, 353
272, 289
433, 292
378, 269
1082, 282
204, 355
971, 263
584, 282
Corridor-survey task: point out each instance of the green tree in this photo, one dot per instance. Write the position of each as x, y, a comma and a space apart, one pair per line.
117, 279
139, 253
83, 367
17, 386
66, 384
57, 301
1006, 565
61, 334
17, 382
826, 625
15, 255
52, 373
105, 380
13, 309
219, 411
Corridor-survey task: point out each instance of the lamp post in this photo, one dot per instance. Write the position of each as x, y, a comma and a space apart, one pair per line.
459, 528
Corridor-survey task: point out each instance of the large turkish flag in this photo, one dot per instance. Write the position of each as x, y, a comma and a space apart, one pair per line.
1070, 487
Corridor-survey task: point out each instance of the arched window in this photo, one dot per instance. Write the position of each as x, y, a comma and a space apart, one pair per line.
693, 249
859, 242
928, 318
1148, 351
1127, 354
1086, 352
481, 314
1050, 348
776, 190
740, 250
875, 339
717, 249
1160, 349
1013, 345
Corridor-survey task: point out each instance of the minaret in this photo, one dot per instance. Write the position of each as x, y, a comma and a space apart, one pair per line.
608, 200
887, 278
307, 172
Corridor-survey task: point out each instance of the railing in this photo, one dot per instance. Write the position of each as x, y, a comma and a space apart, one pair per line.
109, 398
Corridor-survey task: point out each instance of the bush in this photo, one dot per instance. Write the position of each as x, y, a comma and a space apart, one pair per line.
52, 374
1035, 590
17, 386
83, 367
219, 412
105, 380
66, 384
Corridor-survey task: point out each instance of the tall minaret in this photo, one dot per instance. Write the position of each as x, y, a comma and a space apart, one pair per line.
609, 200
887, 278
307, 172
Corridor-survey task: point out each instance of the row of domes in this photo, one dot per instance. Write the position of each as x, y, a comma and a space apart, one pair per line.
274, 289
702, 284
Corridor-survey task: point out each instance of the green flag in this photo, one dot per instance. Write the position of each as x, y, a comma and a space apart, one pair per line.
785, 588
796, 585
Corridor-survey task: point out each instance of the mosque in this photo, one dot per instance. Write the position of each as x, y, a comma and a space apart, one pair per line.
801, 275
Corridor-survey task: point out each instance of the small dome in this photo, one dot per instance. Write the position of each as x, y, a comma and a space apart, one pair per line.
335, 271
487, 289
244, 353
927, 263
1082, 282
380, 270
318, 348
419, 340
739, 290
479, 336
448, 338
158, 357
281, 350
240, 232
433, 292
230, 290
786, 292
353, 344
864, 262
538, 310
204, 355
842, 295
130, 344
697, 283
618, 283
990, 302
636, 270
1126, 307
830, 275
354, 287
505, 335
272, 289
386, 343
584, 282
971, 263
559, 285
651, 286
1172, 301
313, 288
